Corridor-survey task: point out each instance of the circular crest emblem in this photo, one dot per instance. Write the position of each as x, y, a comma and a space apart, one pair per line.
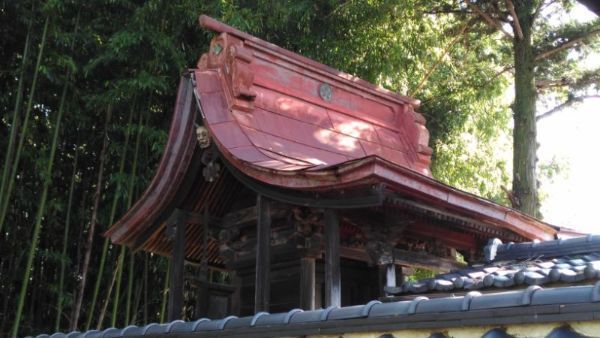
325, 91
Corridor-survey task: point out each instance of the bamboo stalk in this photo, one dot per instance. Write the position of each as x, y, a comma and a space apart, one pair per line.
13, 171
61, 279
115, 308
113, 212
15, 120
107, 300
128, 299
42, 206
130, 189
136, 303
93, 222
70, 198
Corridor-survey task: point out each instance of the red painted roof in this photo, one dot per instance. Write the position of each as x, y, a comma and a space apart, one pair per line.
277, 110
288, 122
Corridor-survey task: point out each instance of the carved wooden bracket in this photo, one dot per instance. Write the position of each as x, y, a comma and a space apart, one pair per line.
233, 59
242, 78
380, 253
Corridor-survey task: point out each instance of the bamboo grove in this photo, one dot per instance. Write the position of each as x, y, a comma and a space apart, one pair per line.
87, 90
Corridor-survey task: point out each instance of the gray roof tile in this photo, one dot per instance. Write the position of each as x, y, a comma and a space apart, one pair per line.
307, 316
440, 305
497, 333
421, 307
523, 264
393, 309
236, 323
111, 333
573, 294
564, 332
438, 335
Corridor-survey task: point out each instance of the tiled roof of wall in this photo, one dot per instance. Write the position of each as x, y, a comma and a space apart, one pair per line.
531, 305
545, 249
574, 260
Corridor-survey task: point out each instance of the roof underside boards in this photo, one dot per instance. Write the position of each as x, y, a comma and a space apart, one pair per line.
491, 315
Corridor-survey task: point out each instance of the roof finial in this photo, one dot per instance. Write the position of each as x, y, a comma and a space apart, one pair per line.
491, 249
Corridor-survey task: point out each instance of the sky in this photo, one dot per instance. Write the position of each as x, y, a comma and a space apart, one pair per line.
572, 139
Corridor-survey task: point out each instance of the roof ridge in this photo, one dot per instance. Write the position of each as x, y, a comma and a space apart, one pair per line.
498, 251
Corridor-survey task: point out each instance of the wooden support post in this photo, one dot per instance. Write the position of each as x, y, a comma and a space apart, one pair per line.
202, 300
307, 283
236, 281
263, 255
177, 267
390, 280
333, 289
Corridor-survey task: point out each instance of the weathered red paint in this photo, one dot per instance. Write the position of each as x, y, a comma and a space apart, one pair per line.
263, 108
281, 112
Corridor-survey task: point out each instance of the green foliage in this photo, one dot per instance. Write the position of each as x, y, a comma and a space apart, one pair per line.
129, 55
420, 274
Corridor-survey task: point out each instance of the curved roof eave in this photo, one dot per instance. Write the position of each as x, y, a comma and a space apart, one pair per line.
169, 174
297, 139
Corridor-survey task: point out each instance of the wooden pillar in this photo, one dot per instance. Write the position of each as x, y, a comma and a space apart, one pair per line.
307, 283
333, 289
202, 305
177, 267
262, 289
236, 281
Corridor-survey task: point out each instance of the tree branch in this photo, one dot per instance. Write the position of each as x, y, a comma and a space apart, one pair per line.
565, 81
445, 11
571, 101
444, 53
488, 19
566, 45
516, 23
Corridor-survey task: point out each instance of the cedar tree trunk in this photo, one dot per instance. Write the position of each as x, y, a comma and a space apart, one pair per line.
524, 133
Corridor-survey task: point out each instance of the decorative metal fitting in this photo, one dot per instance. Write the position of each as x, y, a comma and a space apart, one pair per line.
217, 49
325, 91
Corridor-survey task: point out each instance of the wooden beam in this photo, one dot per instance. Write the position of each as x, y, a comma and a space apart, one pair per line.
248, 216
426, 260
307, 283
262, 290
177, 267
408, 258
478, 225
333, 290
